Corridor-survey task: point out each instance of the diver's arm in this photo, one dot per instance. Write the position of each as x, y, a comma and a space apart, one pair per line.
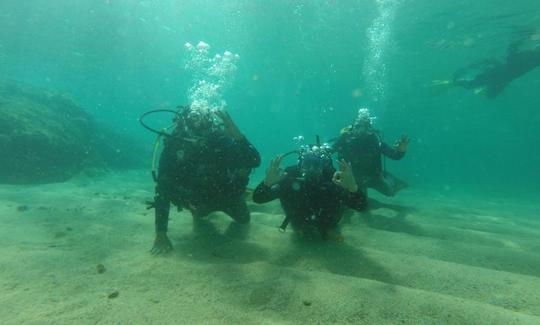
338, 145
270, 188
348, 190
162, 202
248, 156
229, 126
354, 200
391, 152
162, 206
165, 187
264, 193
162, 244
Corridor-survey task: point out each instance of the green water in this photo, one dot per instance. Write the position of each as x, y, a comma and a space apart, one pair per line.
301, 62
460, 246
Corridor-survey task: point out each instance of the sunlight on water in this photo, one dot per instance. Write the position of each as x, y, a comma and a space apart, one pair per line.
379, 35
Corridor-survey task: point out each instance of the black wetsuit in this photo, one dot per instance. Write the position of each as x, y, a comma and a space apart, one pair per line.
308, 205
210, 174
364, 152
493, 76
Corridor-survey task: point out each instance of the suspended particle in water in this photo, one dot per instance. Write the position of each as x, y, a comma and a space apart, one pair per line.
356, 93
468, 41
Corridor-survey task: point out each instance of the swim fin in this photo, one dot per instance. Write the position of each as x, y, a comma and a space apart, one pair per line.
438, 87
480, 91
395, 183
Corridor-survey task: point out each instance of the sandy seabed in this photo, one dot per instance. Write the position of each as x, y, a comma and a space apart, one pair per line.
419, 258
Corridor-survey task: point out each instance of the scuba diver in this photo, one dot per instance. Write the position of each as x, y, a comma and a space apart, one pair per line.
361, 145
313, 194
491, 76
204, 167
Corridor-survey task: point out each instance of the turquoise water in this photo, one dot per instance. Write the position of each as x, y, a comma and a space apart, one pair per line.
460, 246
305, 68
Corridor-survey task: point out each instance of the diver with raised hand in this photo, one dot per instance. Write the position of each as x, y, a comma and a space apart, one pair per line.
491, 76
204, 167
362, 146
312, 193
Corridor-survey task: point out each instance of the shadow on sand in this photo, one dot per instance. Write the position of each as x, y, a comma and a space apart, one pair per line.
336, 257
209, 244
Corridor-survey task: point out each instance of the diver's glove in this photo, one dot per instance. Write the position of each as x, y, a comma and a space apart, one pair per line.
274, 174
229, 126
344, 177
402, 143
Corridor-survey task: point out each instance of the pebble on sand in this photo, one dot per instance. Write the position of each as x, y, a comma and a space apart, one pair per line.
100, 268
113, 294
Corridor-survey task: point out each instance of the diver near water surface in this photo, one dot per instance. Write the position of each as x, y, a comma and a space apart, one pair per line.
491, 76
362, 146
204, 167
313, 194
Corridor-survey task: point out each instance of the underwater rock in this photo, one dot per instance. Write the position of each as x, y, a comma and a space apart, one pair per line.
47, 137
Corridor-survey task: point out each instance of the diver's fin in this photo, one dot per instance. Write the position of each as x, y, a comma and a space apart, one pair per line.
480, 91
396, 183
438, 87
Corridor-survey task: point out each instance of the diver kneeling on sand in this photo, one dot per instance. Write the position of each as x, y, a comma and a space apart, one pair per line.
312, 193
362, 146
204, 167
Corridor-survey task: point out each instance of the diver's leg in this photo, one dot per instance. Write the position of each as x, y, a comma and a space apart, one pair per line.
327, 222
198, 212
238, 211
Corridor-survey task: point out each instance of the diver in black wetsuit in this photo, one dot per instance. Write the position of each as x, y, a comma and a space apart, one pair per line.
313, 194
490, 77
203, 168
362, 146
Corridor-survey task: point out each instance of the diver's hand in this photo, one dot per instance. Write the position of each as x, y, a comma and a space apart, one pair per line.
162, 244
230, 128
274, 174
403, 143
344, 177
